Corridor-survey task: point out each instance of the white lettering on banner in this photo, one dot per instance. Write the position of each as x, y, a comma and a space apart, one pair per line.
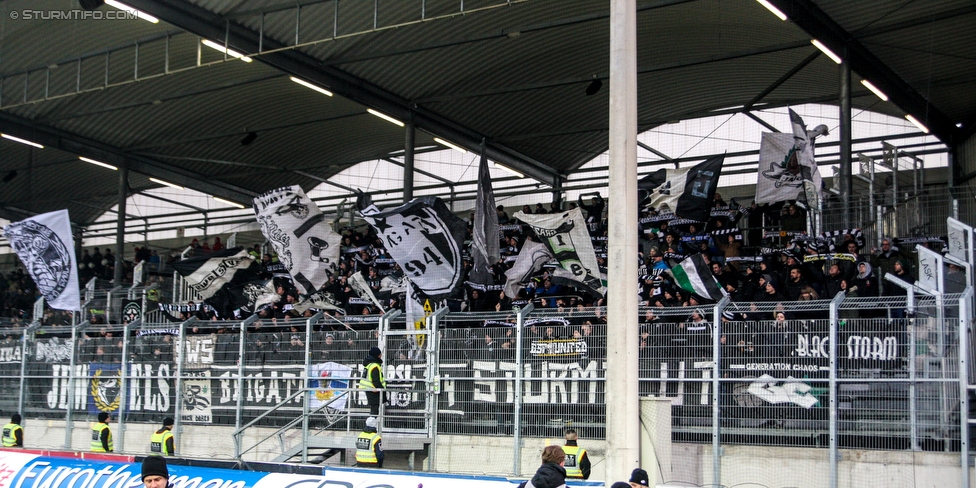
57, 396
865, 347
488, 370
261, 389
791, 391
813, 346
54, 351
199, 350
10, 354
149, 392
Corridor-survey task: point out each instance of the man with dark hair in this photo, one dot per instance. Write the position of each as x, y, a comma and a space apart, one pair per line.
13, 433
162, 441
101, 438
577, 463
372, 380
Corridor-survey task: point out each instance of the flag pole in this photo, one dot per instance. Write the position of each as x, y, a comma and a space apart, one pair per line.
623, 441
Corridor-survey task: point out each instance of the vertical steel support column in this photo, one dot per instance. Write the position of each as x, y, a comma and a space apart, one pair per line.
623, 409
306, 396
832, 407
123, 384
716, 389
410, 132
178, 407
912, 374
71, 383
517, 410
844, 102
965, 318
23, 370
120, 226
238, 420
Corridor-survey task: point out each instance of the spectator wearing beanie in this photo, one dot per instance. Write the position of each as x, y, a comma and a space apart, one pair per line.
638, 478
154, 472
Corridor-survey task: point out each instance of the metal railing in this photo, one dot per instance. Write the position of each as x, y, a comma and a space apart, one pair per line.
849, 373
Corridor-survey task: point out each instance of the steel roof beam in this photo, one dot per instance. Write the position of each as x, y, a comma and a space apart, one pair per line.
809, 17
207, 24
99, 151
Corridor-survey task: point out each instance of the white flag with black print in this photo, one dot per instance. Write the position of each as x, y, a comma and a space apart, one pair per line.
301, 236
566, 236
530, 260
787, 168
45, 245
424, 238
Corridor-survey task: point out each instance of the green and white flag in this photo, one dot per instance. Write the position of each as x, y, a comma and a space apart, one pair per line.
693, 275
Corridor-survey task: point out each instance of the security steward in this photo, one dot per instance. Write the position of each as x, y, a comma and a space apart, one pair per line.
372, 380
13, 433
102, 435
369, 449
161, 441
577, 463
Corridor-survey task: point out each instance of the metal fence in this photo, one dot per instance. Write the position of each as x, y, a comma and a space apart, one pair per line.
861, 373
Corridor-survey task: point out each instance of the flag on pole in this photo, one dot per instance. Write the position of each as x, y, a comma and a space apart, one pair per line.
485, 250
530, 260
304, 241
566, 236
687, 192
45, 245
424, 238
227, 280
358, 283
693, 275
787, 169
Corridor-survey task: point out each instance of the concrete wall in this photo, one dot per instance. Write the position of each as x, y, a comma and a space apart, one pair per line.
691, 464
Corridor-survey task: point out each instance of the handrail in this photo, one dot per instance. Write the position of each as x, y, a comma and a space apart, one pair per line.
239, 432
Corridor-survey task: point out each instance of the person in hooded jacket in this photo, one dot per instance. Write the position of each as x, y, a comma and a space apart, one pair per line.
865, 281
551, 474
372, 380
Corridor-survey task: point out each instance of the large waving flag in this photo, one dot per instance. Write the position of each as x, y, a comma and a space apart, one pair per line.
485, 250
530, 260
305, 242
787, 169
687, 192
567, 238
424, 238
693, 275
45, 245
227, 280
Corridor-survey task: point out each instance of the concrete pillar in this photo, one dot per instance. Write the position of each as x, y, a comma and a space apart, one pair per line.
623, 436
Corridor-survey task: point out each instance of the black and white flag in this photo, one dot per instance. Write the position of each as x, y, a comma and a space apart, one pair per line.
45, 245
227, 280
566, 236
787, 169
424, 238
303, 239
529, 261
485, 250
358, 283
688, 192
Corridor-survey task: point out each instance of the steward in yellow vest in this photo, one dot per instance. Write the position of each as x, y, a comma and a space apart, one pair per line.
577, 463
369, 449
13, 433
161, 441
101, 435
372, 380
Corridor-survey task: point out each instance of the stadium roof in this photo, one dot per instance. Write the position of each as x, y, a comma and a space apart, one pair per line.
516, 73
